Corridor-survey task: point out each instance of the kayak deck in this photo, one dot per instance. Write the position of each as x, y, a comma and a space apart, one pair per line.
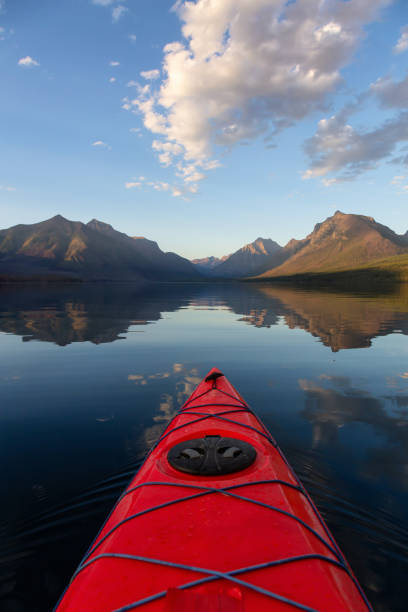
247, 540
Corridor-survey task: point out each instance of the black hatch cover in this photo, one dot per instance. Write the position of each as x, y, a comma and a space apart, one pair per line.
211, 456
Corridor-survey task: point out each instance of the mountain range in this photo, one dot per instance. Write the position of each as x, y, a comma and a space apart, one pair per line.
341, 242
59, 248
63, 249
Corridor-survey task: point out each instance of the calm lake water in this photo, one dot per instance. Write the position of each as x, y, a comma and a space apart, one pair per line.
90, 376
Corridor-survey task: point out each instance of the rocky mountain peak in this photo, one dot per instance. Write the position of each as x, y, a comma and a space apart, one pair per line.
210, 262
57, 220
100, 226
341, 241
261, 246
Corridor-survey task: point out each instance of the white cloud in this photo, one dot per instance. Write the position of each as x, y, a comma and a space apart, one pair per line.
27, 62
391, 94
183, 191
132, 84
249, 68
156, 185
398, 182
112, 80
118, 12
114, 63
132, 184
160, 186
136, 131
329, 182
195, 177
339, 148
126, 104
150, 75
211, 164
101, 144
132, 37
402, 43
166, 151
327, 30
7, 188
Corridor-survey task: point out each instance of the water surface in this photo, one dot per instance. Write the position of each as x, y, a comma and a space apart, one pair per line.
90, 376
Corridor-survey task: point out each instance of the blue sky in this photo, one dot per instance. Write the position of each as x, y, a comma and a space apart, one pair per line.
261, 119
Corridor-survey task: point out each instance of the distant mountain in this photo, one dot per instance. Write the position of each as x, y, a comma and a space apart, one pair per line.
251, 259
206, 265
209, 262
93, 251
341, 242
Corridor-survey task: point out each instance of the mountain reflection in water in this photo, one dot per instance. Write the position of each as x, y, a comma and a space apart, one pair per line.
101, 314
79, 411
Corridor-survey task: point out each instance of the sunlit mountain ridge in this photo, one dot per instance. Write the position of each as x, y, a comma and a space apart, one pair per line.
341, 242
248, 260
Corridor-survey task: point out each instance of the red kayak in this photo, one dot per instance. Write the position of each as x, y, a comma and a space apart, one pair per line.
214, 520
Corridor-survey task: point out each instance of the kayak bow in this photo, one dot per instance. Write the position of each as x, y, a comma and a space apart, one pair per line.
214, 520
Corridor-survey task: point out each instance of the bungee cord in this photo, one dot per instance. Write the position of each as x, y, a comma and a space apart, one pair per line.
211, 574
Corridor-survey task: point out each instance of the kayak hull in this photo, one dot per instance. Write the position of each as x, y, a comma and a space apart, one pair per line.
247, 540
